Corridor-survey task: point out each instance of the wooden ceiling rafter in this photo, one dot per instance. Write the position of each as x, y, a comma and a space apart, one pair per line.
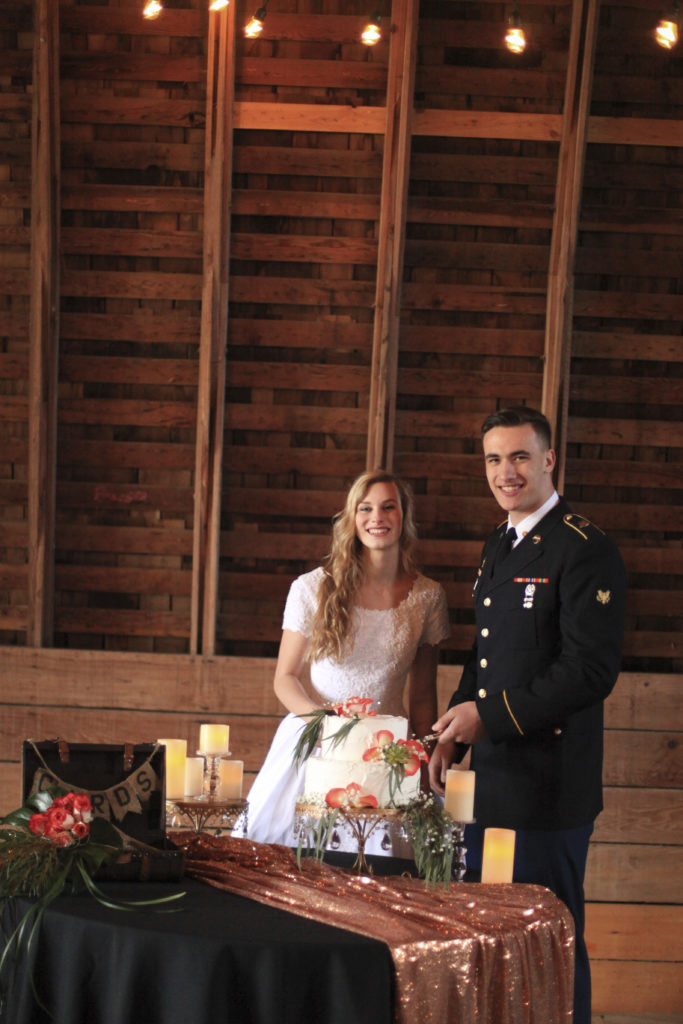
559, 308
392, 229
43, 324
213, 332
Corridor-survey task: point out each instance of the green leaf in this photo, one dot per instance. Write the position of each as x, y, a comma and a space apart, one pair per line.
93, 889
343, 731
44, 799
308, 737
321, 833
104, 833
20, 818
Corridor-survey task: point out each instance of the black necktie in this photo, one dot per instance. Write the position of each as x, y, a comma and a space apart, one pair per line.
506, 546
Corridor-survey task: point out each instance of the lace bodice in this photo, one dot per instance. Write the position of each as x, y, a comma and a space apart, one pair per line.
384, 643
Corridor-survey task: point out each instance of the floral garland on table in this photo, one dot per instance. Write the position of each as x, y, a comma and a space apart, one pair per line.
434, 835
54, 840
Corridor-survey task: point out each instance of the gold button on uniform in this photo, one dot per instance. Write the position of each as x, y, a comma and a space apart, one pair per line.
481, 693
483, 662
558, 731
484, 631
487, 601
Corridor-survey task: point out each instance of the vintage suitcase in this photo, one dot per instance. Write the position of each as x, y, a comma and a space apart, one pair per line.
126, 784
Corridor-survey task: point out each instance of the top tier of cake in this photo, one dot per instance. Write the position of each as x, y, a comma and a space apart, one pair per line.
360, 736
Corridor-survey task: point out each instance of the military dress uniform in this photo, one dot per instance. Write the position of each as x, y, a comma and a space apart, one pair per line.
549, 630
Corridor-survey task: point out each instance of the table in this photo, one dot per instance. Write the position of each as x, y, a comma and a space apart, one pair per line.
259, 941
222, 959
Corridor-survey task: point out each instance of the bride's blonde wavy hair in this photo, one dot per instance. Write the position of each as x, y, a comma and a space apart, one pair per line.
343, 566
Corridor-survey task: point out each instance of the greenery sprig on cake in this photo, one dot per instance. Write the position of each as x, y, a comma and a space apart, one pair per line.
402, 757
352, 709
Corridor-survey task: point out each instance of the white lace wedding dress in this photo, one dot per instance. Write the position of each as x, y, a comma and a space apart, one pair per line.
384, 648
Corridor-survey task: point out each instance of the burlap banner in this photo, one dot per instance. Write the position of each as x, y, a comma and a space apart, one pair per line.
125, 797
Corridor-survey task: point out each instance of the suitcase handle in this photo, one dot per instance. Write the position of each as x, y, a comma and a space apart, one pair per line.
65, 754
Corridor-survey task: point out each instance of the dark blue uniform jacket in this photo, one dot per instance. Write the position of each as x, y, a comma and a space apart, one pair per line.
549, 629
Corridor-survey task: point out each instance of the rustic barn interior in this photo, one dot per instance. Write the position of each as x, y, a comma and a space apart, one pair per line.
235, 272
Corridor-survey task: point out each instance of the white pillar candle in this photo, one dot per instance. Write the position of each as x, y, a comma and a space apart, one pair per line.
194, 776
176, 751
459, 801
499, 855
214, 740
231, 779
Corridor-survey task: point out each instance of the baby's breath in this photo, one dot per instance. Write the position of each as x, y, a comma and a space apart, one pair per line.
433, 837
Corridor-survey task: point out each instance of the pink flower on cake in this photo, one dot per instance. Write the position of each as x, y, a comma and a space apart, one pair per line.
352, 797
354, 706
417, 754
382, 738
407, 753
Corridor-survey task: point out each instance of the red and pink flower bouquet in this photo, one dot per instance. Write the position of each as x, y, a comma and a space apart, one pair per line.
52, 844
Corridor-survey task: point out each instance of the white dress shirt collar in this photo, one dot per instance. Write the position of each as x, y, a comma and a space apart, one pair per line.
531, 520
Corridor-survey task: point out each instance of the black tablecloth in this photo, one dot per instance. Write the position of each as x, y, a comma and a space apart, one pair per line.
221, 959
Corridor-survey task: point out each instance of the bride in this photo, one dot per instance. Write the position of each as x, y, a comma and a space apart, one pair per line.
365, 624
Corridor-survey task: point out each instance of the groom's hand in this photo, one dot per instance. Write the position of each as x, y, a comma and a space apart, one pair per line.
460, 724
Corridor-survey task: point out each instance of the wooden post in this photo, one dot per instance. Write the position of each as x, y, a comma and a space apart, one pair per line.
392, 223
214, 329
43, 324
559, 306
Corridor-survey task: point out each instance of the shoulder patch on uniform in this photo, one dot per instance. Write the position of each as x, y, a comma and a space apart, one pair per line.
579, 523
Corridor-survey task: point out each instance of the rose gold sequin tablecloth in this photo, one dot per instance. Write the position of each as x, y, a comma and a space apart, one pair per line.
468, 954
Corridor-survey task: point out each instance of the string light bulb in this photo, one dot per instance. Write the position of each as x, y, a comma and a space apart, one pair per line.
254, 26
152, 9
218, 5
515, 40
372, 32
666, 32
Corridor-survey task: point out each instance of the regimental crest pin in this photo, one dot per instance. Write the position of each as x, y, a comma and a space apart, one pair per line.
603, 596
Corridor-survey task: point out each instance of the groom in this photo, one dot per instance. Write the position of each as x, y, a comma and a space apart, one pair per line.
549, 601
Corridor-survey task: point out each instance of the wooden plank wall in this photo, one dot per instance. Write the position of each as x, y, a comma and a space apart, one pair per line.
302, 285
310, 121
634, 881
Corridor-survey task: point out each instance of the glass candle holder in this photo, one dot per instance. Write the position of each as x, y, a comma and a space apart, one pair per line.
214, 743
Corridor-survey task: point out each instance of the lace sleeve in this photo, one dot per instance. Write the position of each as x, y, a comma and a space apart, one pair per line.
301, 603
436, 626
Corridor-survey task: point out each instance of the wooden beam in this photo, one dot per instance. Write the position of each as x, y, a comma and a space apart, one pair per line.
214, 328
392, 225
451, 124
43, 323
559, 307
